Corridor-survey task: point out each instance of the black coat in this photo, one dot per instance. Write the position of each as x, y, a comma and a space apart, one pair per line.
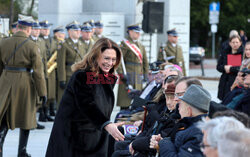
226, 80
244, 104
84, 110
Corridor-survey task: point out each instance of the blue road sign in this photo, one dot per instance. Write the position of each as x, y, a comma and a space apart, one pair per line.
214, 6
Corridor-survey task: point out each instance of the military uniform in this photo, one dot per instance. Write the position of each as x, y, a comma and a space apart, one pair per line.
170, 50
2, 36
68, 54
135, 71
98, 25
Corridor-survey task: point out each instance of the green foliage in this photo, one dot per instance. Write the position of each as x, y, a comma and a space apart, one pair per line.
233, 15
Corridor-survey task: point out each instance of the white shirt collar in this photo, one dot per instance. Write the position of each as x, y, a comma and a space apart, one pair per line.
87, 41
174, 45
45, 37
34, 38
75, 41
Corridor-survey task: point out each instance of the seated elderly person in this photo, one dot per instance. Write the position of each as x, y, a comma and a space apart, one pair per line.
235, 143
214, 130
192, 107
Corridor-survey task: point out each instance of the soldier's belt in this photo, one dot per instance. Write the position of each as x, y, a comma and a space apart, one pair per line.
69, 64
21, 69
132, 63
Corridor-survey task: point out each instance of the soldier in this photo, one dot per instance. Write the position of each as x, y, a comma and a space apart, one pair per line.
98, 30
87, 41
70, 52
136, 63
21, 77
59, 34
13, 28
92, 24
172, 49
35, 32
51, 47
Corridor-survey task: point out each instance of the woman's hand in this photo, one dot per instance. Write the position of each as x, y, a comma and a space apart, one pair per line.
227, 68
154, 141
114, 132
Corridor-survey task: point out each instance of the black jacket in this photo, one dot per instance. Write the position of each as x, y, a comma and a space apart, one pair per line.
244, 103
226, 80
84, 110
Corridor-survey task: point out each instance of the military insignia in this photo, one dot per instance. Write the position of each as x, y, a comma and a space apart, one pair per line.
59, 46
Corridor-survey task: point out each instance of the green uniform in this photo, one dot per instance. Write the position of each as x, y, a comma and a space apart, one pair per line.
96, 37
169, 50
87, 46
19, 88
135, 71
51, 47
68, 54
2, 36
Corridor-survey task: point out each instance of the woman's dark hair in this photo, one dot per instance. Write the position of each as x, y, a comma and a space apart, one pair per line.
90, 60
240, 116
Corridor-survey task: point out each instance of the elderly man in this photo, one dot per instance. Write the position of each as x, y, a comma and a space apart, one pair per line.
235, 143
214, 130
187, 139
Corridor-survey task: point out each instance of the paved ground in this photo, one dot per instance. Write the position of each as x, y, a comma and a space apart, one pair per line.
39, 138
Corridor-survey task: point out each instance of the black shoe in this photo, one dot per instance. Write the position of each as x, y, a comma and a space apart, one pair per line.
39, 126
52, 109
50, 119
25, 154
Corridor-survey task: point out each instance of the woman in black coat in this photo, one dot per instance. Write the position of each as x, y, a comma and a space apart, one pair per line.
229, 72
82, 123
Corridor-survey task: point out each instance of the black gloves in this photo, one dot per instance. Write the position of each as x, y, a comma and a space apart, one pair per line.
124, 78
62, 84
43, 99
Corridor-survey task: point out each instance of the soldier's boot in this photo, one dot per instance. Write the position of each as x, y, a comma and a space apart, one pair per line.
42, 116
23, 140
39, 126
52, 108
3, 133
48, 118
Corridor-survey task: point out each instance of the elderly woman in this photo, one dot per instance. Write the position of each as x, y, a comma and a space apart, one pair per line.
213, 131
82, 122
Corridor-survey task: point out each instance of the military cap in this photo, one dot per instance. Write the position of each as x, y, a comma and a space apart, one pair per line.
91, 22
45, 24
59, 29
135, 28
25, 20
13, 25
172, 32
36, 25
98, 24
86, 28
74, 25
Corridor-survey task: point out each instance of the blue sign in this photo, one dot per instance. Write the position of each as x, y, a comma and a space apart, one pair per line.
214, 6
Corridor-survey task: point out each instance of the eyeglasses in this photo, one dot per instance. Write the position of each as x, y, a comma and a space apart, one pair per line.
170, 78
203, 146
179, 94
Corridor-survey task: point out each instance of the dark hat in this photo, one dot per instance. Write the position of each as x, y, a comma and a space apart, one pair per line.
135, 28
170, 89
74, 25
197, 97
98, 24
45, 24
86, 28
25, 20
59, 29
246, 71
13, 25
36, 25
172, 32
215, 107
